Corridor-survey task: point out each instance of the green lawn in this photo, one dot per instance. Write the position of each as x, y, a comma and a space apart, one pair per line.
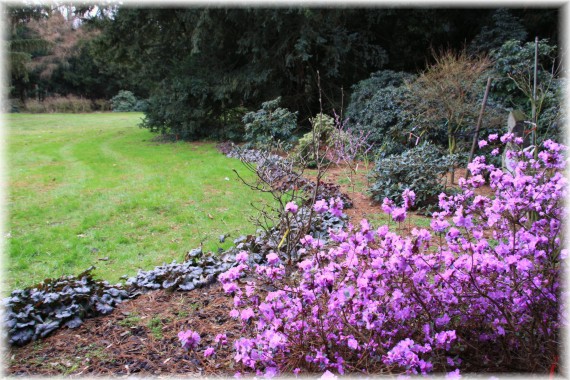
94, 189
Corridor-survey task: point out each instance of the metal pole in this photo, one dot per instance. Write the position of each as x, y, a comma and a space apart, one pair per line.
478, 126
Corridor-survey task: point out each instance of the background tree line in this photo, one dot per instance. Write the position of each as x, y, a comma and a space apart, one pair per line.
202, 69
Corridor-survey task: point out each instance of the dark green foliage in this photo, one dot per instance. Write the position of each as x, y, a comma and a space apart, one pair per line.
243, 56
516, 59
270, 127
23, 45
322, 135
124, 101
35, 312
200, 63
376, 106
419, 169
141, 105
232, 125
513, 87
55, 57
84, 75
502, 28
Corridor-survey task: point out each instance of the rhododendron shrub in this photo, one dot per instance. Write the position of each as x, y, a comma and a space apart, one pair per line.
479, 290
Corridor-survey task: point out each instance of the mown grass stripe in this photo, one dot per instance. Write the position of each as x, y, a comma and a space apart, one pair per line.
83, 188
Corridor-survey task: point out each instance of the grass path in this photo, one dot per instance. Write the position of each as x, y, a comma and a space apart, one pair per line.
93, 189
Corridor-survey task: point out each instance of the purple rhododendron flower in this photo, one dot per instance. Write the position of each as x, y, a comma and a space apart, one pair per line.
453, 233
482, 143
307, 240
321, 206
270, 372
442, 321
189, 339
246, 314
453, 375
328, 375
445, 338
463, 221
439, 225
230, 287
209, 352
242, 257
336, 206
352, 344
399, 214
272, 258
387, 206
491, 278
507, 137
524, 265
291, 207
221, 339
409, 197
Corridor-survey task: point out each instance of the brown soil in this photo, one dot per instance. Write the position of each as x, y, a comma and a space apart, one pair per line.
140, 336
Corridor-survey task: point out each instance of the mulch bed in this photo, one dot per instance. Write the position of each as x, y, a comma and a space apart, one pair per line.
140, 337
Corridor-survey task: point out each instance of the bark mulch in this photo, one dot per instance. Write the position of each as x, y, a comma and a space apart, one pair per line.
138, 338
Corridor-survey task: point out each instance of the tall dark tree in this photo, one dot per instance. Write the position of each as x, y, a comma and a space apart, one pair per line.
201, 63
23, 45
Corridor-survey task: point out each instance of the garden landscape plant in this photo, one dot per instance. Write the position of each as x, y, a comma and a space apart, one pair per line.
480, 291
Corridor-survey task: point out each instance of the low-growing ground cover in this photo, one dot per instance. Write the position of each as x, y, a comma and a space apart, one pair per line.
95, 189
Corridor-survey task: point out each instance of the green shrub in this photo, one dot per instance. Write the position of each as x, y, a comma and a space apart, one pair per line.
232, 125
141, 105
324, 132
376, 106
169, 113
419, 169
513, 84
124, 101
270, 127
502, 26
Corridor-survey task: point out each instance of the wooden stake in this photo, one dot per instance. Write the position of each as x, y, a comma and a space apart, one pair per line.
478, 126
534, 118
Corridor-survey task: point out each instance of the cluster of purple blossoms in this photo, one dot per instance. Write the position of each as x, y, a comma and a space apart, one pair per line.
484, 282
399, 213
291, 207
189, 339
334, 206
